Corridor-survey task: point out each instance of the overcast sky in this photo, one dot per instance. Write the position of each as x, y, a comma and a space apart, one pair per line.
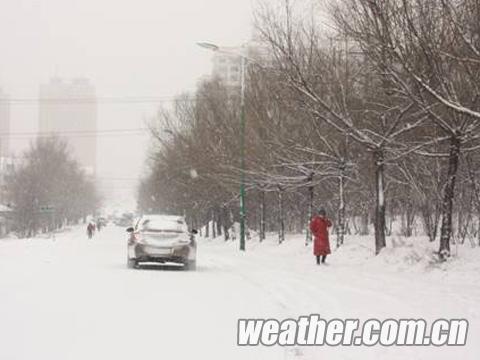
138, 48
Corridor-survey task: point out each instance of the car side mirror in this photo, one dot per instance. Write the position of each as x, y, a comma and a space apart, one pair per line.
194, 231
130, 229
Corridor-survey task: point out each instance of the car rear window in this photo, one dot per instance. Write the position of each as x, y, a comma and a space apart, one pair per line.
163, 225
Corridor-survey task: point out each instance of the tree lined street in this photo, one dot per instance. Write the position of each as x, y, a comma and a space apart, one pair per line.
324, 160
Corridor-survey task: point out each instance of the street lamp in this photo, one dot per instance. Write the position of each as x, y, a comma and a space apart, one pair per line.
215, 48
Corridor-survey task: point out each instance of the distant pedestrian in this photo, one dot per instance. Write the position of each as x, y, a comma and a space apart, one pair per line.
319, 227
99, 225
90, 229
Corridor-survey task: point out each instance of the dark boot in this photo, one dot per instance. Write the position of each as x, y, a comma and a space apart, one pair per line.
324, 257
318, 260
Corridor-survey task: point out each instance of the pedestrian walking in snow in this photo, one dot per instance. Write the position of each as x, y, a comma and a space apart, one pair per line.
99, 225
319, 227
90, 229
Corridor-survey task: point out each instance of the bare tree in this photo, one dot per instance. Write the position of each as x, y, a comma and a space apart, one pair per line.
344, 92
49, 189
428, 51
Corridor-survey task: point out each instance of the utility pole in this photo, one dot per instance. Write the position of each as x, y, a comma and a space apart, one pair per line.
242, 150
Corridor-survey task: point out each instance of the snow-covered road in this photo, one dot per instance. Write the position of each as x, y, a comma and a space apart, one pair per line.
74, 299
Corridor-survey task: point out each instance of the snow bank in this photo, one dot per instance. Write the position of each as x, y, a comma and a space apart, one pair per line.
402, 255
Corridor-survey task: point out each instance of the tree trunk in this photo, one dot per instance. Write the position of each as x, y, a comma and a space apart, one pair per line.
380, 241
408, 217
311, 194
449, 192
341, 210
214, 228
458, 232
281, 220
364, 223
430, 221
194, 222
218, 221
301, 224
226, 223
262, 215
476, 192
207, 228
232, 221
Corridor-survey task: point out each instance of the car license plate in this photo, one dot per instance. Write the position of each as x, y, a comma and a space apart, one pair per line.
158, 251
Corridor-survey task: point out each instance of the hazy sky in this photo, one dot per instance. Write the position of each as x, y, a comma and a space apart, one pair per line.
141, 48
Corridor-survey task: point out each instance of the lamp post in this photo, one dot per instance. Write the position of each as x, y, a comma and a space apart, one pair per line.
215, 48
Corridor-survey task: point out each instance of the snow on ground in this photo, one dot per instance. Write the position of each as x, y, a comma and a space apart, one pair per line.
71, 298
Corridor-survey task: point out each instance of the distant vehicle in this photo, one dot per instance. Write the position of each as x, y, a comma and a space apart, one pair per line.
125, 220
161, 239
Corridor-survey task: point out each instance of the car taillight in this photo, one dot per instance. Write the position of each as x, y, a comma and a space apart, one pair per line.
135, 237
139, 239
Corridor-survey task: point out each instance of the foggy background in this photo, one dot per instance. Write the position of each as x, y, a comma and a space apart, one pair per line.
127, 49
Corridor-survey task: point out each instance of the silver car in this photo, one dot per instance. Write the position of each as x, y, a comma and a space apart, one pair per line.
161, 239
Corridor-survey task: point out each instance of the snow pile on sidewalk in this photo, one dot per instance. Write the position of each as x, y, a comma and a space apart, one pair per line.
403, 281
402, 255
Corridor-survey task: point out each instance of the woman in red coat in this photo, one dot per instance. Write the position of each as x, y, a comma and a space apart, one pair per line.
319, 228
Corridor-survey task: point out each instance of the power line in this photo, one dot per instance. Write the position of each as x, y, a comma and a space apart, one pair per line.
76, 133
96, 100
49, 133
73, 132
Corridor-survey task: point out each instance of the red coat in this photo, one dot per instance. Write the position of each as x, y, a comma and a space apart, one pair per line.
319, 228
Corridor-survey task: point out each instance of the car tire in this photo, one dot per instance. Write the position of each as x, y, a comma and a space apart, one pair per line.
132, 263
191, 265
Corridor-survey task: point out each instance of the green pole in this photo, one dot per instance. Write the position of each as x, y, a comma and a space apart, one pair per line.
243, 214
242, 150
